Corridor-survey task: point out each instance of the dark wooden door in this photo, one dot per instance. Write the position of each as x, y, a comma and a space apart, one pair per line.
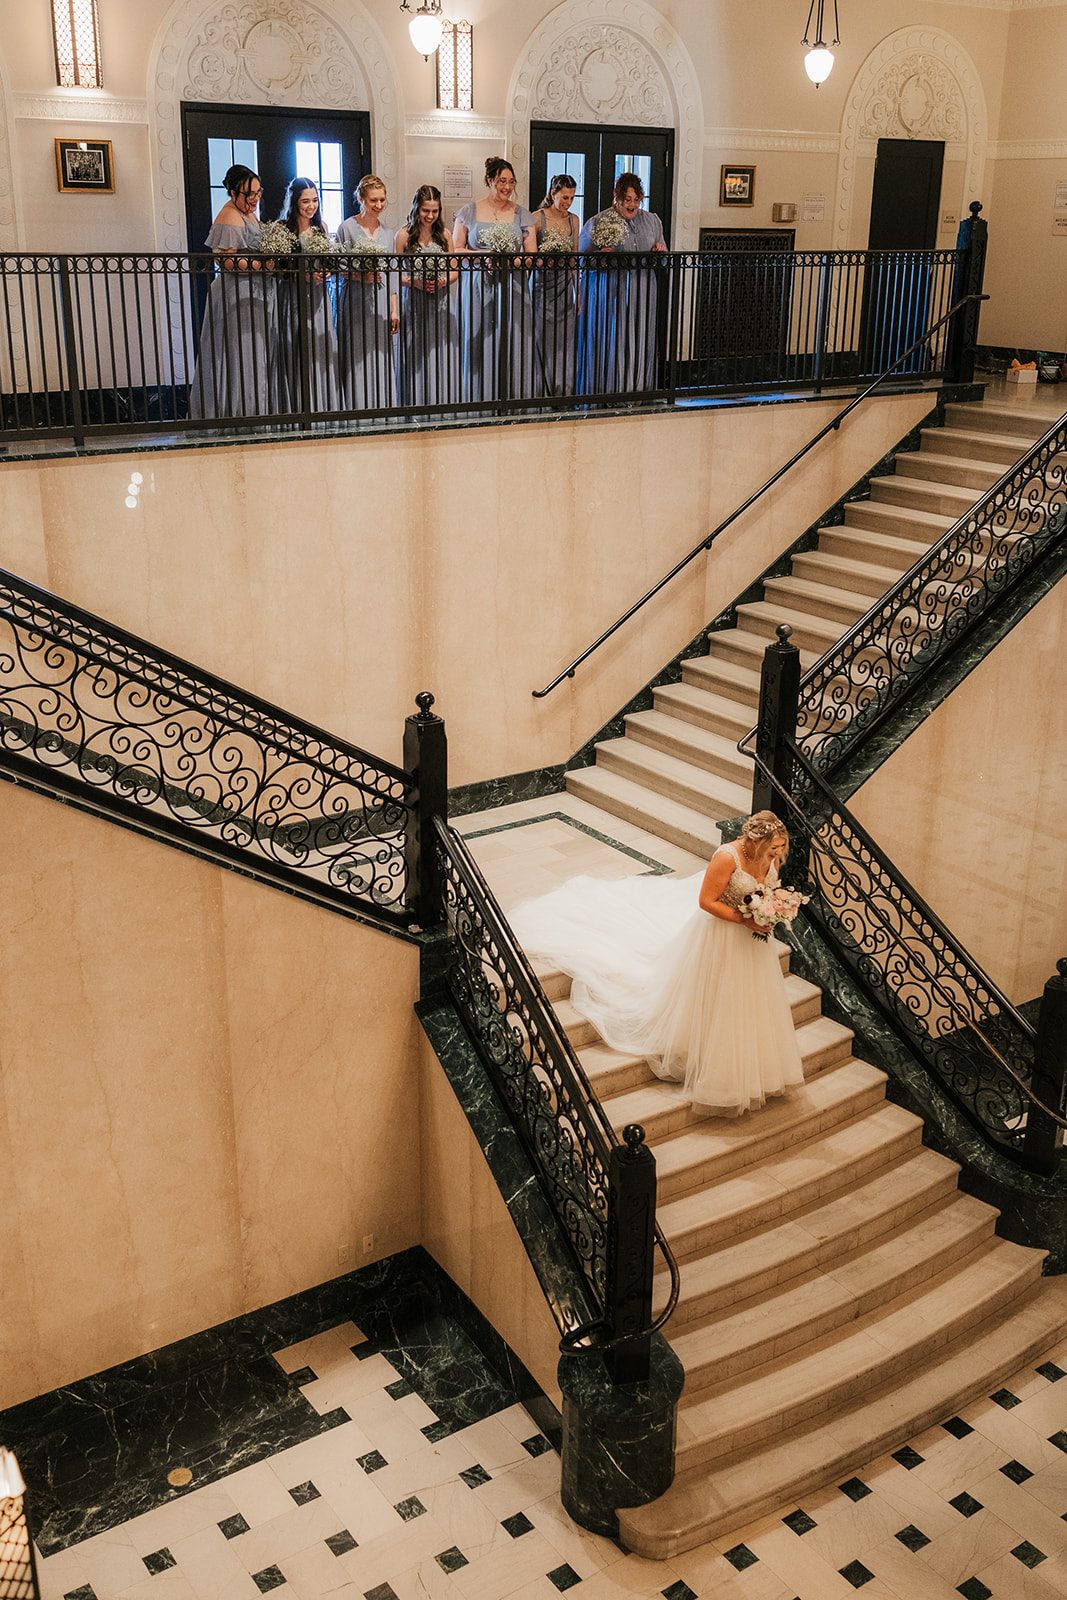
594, 157
896, 288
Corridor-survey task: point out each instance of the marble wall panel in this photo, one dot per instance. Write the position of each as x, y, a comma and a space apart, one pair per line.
971, 806
208, 1088
467, 1229
22, 522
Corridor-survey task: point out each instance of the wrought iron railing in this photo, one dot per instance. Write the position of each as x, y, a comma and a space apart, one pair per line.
146, 343
973, 1042
564, 1129
103, 719
858, 683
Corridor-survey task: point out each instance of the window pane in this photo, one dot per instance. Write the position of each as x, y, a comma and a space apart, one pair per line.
641, 166
330, 165
307, 161
246, 151
573, 164
219, 160
333, 208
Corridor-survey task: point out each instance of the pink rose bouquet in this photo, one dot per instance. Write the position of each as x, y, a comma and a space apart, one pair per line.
768, 907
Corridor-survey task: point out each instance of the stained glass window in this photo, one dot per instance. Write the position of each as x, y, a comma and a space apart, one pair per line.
455, 67
76, 31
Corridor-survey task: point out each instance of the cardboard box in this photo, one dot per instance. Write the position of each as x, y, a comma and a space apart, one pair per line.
1022, 374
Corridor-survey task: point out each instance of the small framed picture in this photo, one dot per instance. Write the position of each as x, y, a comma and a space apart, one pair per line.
738, 186
84, 166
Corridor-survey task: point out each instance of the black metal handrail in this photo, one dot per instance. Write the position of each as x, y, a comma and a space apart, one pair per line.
168, 344
776, 478
110, 722
957, 1021
564, 1129
856, 684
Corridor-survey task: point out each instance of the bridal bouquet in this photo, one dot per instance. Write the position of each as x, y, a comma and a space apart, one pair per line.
555, 244
768, 907
364, 249
314, 242
607, 230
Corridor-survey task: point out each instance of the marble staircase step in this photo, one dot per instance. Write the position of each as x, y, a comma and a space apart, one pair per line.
977, 444
866, 578
735, 680
1019, 421
834, 1371
940, 499
698, 746
704, 709
923, 528
719, 794
723, 1145
831, 1446
718, 1345
821, 598
745, 647
811, 1238
794, 1177
810, 632
968, 473
690, 829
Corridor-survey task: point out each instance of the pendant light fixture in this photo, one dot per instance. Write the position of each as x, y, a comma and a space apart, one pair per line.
425, 26
819, 61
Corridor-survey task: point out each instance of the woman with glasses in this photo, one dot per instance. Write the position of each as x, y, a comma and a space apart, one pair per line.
621, 300
496, 310
235, 375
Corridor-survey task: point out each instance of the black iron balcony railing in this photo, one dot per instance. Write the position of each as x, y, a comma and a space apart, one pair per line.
109, 344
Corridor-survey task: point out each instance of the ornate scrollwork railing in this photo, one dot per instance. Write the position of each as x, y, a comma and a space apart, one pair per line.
104, 719
859, 681
956, 1021
565, 1131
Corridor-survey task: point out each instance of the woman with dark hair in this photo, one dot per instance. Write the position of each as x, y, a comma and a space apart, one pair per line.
367, 316
619, 344
496, 311
234, 374
429, 366
556, 302
302, 215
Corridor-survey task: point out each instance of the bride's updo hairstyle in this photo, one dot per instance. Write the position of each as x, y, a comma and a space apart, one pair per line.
762, 826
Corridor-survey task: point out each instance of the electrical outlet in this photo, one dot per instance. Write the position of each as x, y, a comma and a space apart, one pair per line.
344, 1253
368, 1243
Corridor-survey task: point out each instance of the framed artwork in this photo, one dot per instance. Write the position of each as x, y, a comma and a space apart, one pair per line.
738, 186
84, 166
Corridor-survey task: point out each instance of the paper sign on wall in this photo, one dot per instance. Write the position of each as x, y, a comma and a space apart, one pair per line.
1061, 196
1059, 226
814, 208
456, 183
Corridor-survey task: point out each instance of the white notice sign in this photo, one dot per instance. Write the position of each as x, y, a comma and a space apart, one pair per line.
456, 183
814, 208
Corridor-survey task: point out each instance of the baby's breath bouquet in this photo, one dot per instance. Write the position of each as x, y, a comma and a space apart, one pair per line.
275, 239
421, 264
315, 242
364, 250
500, 239
555, 244
607, 230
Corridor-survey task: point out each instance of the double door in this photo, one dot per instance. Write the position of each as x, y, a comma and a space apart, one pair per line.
595, 157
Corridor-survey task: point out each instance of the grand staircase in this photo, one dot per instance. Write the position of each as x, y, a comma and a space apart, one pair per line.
839, 1293
676, 772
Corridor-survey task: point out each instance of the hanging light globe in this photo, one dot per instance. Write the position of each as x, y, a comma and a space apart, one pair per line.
818, 64
426, 30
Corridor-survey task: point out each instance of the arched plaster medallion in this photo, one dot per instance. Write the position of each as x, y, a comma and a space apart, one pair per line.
271, 56
916, 103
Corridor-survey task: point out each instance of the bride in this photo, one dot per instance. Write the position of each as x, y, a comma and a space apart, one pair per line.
671, 969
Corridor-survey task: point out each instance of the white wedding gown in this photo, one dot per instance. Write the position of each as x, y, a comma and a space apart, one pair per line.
659, 977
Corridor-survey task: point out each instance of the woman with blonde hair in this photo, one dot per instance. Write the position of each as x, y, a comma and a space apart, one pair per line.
677, 970
367, 315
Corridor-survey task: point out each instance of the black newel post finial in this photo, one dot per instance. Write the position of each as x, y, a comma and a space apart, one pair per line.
1043, 1136
632, 1221
972, 239
777, 724
426, 760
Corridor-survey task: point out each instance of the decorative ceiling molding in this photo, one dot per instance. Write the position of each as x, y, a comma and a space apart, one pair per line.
450, 125
61, 107
266, 52
613, 62
770, 139
919, 83
1028, 150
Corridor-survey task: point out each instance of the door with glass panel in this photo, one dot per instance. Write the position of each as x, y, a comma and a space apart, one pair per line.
331, 148
595, 157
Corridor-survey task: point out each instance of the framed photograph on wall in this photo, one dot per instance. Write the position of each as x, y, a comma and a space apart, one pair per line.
84, 166
738, 186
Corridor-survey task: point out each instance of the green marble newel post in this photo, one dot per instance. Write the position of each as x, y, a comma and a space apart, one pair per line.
618, 1439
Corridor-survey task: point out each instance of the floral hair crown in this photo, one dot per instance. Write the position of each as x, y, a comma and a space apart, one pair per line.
764, 829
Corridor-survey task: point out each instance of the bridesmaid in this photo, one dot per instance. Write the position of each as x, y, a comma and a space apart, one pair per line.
367, 315
234, 374
556, 303
496, 315
429, 368
302, 215
620, 305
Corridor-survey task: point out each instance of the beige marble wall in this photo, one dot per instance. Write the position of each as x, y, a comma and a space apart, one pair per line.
468, 1231
208, 1095
971, 807
338, 580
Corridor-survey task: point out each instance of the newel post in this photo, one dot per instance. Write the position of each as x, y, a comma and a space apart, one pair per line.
632, 1210
779, 694
1041, 1145
426, 761
972, 239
